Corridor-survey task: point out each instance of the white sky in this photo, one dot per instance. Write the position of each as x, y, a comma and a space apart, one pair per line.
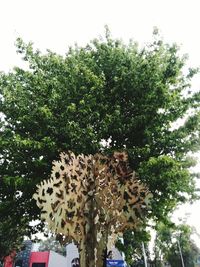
57, 24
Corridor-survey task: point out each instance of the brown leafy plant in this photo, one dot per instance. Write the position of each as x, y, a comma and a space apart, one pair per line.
91, 200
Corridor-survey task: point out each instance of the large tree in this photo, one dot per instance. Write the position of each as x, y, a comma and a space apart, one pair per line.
105, 96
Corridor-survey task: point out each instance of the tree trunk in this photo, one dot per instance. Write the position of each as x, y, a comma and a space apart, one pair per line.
102, 251
92, 251
93, 254
82, 254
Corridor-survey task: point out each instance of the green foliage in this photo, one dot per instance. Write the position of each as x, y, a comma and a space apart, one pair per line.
167, 180
11, 240
167, 244
132, 245
103, 97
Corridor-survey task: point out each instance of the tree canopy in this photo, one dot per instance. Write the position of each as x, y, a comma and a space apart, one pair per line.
103, 97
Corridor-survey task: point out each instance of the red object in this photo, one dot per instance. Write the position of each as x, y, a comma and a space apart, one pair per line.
8, 261
39, 257
47, 259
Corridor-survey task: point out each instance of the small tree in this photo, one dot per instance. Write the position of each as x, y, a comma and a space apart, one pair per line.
167, 243
132, 245
91, 199
53, 244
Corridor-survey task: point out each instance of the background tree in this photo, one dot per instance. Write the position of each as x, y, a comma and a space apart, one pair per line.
167, 243
132, 246
103, 97
13, 239
51, 243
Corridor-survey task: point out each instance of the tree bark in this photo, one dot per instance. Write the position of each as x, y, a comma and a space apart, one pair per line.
93, 254
92, 251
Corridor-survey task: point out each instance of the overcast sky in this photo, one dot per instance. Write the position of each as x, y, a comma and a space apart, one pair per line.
57, 24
